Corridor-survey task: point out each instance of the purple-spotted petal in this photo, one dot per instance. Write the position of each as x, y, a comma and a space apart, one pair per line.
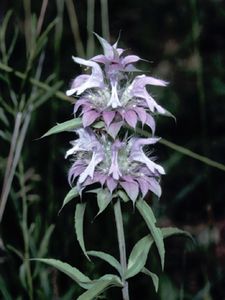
142, 80
100, 59
89, 171
114, 168
130, 59
78, 81
96, 79
114, 101
80, 102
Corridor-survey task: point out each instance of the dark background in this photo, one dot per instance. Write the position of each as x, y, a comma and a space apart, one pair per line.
184, 44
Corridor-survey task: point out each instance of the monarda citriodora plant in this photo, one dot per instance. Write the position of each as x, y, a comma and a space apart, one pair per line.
110, 104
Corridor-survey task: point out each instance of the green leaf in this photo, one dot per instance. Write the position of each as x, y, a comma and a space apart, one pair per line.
4, 291
22, 276
73, 193
45, 241
3, 117
139, 253
154, 277
65, 126
79, 220
169, 231
106, 257
99, 125
41, 99
138, 256
99, 287
84, 281
103, 198
16, 251
147, 214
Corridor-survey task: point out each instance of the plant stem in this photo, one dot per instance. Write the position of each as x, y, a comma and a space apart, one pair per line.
25, 230
122, 247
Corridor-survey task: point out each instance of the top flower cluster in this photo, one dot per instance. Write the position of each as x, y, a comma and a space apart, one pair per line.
109, 95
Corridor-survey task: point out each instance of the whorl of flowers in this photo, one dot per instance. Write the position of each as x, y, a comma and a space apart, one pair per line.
110, 95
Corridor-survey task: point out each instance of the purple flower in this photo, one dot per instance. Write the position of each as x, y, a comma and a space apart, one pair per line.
109, 94
92, 154
84, 82
114, 164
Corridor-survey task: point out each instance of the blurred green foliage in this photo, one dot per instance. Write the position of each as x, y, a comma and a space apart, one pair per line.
184, 44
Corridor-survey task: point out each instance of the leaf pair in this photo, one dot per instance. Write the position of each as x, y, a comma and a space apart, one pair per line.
94, 287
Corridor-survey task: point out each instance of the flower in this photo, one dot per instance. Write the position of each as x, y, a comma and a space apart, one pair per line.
109, 94
114, 164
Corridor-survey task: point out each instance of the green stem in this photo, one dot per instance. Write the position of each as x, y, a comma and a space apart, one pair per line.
122, 247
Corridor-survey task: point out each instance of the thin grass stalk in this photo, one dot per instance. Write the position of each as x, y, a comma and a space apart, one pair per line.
25, 231
105, 19
90, 28
42, 16
58, 33
16, 157
75, 28
122, 247
27, 24
9, 163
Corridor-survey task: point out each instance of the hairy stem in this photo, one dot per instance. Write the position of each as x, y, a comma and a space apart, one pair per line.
122, 247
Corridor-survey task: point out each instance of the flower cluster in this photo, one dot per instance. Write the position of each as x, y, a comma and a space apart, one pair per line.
111, 96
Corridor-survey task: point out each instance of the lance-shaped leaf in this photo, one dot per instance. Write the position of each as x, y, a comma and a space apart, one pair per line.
45, 241
108, 258
154, 277
138, 256
65, 126
170, 231
79, 222
139, 253
100, 286
73, 193
104, 197
149, 218
84, 281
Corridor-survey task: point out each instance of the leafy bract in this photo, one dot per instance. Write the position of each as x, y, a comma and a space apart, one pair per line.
170, 231
73, 193
149, 218
65, 126
106, 257
84, 281
100, 286
78, 221
104, 197
138, 256
154, 277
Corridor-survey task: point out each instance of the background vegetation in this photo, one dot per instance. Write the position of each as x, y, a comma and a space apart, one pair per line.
184, 44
